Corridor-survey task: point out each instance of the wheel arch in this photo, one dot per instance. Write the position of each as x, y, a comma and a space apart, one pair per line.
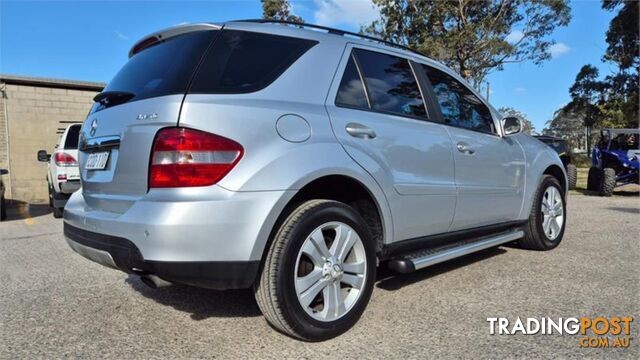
558, 173
362, 194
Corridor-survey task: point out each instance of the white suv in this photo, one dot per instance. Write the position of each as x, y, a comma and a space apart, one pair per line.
63, 175
297, 161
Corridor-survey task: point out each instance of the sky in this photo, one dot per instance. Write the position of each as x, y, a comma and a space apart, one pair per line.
89, 40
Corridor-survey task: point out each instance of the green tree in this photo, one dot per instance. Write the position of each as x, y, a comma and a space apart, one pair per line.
567, 125
278, 10
587, 98
623, 50
472, 36
528, 125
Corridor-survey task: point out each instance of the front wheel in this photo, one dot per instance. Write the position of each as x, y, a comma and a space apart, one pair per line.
547, 220
608, 182
319, 272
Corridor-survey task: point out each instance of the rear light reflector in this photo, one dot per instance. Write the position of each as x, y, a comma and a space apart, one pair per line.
62, 177
183, 157
64, 159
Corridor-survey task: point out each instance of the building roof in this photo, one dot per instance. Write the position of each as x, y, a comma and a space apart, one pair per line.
50, 82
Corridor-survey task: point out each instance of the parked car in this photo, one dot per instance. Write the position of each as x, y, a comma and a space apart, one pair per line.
563, 150
295, 161
614, 160
63, 175
3, 202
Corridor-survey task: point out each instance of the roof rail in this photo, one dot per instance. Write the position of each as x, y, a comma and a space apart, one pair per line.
331, 31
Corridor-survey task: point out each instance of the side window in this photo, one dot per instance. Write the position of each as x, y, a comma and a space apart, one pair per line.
459, 106
351, 92
390, 83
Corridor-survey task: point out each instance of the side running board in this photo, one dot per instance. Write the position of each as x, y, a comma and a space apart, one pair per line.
413, 261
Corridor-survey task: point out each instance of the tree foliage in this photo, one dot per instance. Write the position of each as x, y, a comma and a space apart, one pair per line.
612, 101
472, 36
527, 124
278, 10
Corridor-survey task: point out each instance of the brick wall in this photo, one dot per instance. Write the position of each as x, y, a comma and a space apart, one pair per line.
34, 114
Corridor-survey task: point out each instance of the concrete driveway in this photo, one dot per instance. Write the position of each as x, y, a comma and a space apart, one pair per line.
54, 303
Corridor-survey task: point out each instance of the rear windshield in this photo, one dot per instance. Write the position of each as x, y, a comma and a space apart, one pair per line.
162, 69
71, 142
242, 61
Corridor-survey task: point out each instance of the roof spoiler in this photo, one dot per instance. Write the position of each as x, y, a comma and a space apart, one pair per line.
162, 35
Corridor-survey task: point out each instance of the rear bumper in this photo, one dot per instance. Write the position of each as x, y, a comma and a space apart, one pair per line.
69, 186
122, 254
209, 237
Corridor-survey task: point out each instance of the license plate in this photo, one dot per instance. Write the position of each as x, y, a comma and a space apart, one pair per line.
97, 161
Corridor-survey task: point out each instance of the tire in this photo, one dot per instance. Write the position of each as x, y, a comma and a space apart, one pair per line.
536, 237
607, 182
572, 176
57, 212
593, 179
276, 288
3, 209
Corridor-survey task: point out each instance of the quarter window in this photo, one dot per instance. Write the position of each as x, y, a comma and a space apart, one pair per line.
351, 92
243, 61
390, 83
459, 106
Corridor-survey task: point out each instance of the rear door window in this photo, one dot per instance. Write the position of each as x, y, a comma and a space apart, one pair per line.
242, 61
164, 68
390, 83
459, 106
71, 142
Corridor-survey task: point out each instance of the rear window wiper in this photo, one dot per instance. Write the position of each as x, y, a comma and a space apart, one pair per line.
111, 98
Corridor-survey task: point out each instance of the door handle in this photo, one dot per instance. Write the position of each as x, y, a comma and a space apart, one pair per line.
465, 148
360, 131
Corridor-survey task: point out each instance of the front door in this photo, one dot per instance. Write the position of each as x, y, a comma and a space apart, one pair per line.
489, 168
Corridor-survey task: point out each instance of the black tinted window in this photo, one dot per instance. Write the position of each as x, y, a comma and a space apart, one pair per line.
71, 142
459, 106
351, 91
241, 61
164, 68
390, 83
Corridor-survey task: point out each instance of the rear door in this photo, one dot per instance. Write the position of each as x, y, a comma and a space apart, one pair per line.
145, 96
489, 168
380, 117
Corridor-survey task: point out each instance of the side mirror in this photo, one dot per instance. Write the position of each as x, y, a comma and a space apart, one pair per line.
511, 125
43, 156
4, 171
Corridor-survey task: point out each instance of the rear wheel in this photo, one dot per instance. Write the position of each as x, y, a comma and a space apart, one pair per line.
3, 208
572, 176
607, 182
319, 273
546, 224
593, 179
57, 212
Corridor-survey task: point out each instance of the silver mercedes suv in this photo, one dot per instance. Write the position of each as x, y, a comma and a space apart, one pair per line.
297, 159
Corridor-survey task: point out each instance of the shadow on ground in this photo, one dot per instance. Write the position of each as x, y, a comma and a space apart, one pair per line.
206, 303
390, 281
19, 210
200, 303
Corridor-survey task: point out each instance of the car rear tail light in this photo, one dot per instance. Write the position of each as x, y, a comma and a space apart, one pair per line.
183, 157
64, 159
